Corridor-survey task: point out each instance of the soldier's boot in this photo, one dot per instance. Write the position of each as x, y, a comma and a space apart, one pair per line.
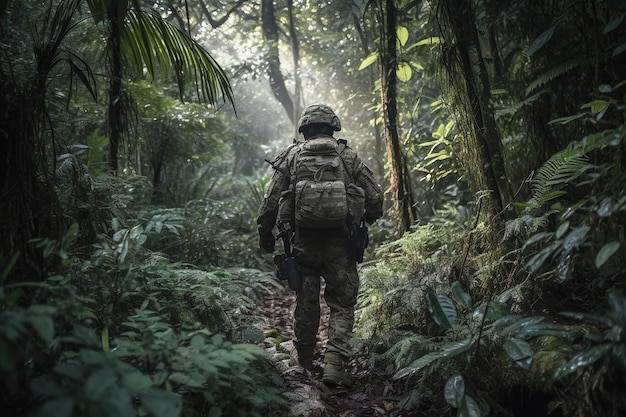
334, 374
304, 358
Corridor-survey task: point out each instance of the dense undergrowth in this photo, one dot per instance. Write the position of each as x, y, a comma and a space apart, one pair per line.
539, 318
128, 325
147, 309
144, 305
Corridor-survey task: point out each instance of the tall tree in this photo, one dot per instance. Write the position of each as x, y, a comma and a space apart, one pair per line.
145, 40
468, 75
276, 79
400, 189
29, 207
28, 145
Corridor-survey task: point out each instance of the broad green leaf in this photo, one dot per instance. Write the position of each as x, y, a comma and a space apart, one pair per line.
119, 402
545, 329
600, 318
537, 237
565, 120
161, 403
596, 106
540, 41
197, 342
417, 65
469, 408
619, 49
442, 310
516, 326
583, 359
402, 34
70, 236
136, 381
617, 304
496, 310
418, 364
460, 295
61, 407
184, 379
116, 224
69, 370
613, 24
206, 365
404, 72
434, 40
448, 351
91, 357
562, 229
373, 57
98, 383
44, 326
606, 252
537, 260
119, 235
136, 232
520, 351
575, 238
454, 390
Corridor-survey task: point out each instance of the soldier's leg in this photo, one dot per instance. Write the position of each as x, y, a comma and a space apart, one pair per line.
307, 319
341, 296
342, 286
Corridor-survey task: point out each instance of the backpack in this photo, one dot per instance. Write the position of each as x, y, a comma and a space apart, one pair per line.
322, 194
320, 199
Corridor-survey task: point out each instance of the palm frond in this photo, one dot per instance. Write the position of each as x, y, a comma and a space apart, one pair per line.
162, 48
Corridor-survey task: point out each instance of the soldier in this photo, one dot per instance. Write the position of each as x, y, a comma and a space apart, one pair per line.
322, 241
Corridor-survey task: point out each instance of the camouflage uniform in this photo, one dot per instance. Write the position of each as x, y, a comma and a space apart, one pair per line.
326, 253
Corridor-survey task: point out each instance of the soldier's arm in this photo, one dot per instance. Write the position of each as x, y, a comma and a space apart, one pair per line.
280, 181
364, 178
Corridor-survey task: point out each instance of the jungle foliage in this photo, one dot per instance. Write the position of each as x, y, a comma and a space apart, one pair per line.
129, 288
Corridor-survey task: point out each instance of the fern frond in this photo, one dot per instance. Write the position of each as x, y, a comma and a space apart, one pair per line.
556, 173
552, 73
408, 349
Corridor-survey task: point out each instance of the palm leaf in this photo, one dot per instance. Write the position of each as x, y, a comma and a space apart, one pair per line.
162, 48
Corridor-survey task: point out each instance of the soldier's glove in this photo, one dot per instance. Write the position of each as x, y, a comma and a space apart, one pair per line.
267, 242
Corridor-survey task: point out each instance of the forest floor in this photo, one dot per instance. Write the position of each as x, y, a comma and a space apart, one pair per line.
374, 392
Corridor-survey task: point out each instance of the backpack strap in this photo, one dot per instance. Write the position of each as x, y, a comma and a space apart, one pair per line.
343, 144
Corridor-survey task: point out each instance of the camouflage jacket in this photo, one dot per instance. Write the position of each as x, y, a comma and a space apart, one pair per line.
281, 181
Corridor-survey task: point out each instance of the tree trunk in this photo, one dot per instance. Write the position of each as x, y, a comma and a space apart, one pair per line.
476, 85
295, 50
379, 145
277, 82
29, 207
115, 89
402, 200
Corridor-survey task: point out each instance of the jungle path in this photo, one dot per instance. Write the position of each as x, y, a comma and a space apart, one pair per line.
374, 392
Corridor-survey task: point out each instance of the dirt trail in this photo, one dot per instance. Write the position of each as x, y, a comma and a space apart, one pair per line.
374, 393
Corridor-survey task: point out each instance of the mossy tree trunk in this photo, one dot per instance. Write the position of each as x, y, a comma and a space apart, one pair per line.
468, 77
399, 188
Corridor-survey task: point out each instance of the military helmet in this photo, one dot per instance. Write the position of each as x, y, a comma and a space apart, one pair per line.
319, 114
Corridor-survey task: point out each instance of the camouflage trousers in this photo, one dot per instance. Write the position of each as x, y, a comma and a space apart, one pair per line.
328, 255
